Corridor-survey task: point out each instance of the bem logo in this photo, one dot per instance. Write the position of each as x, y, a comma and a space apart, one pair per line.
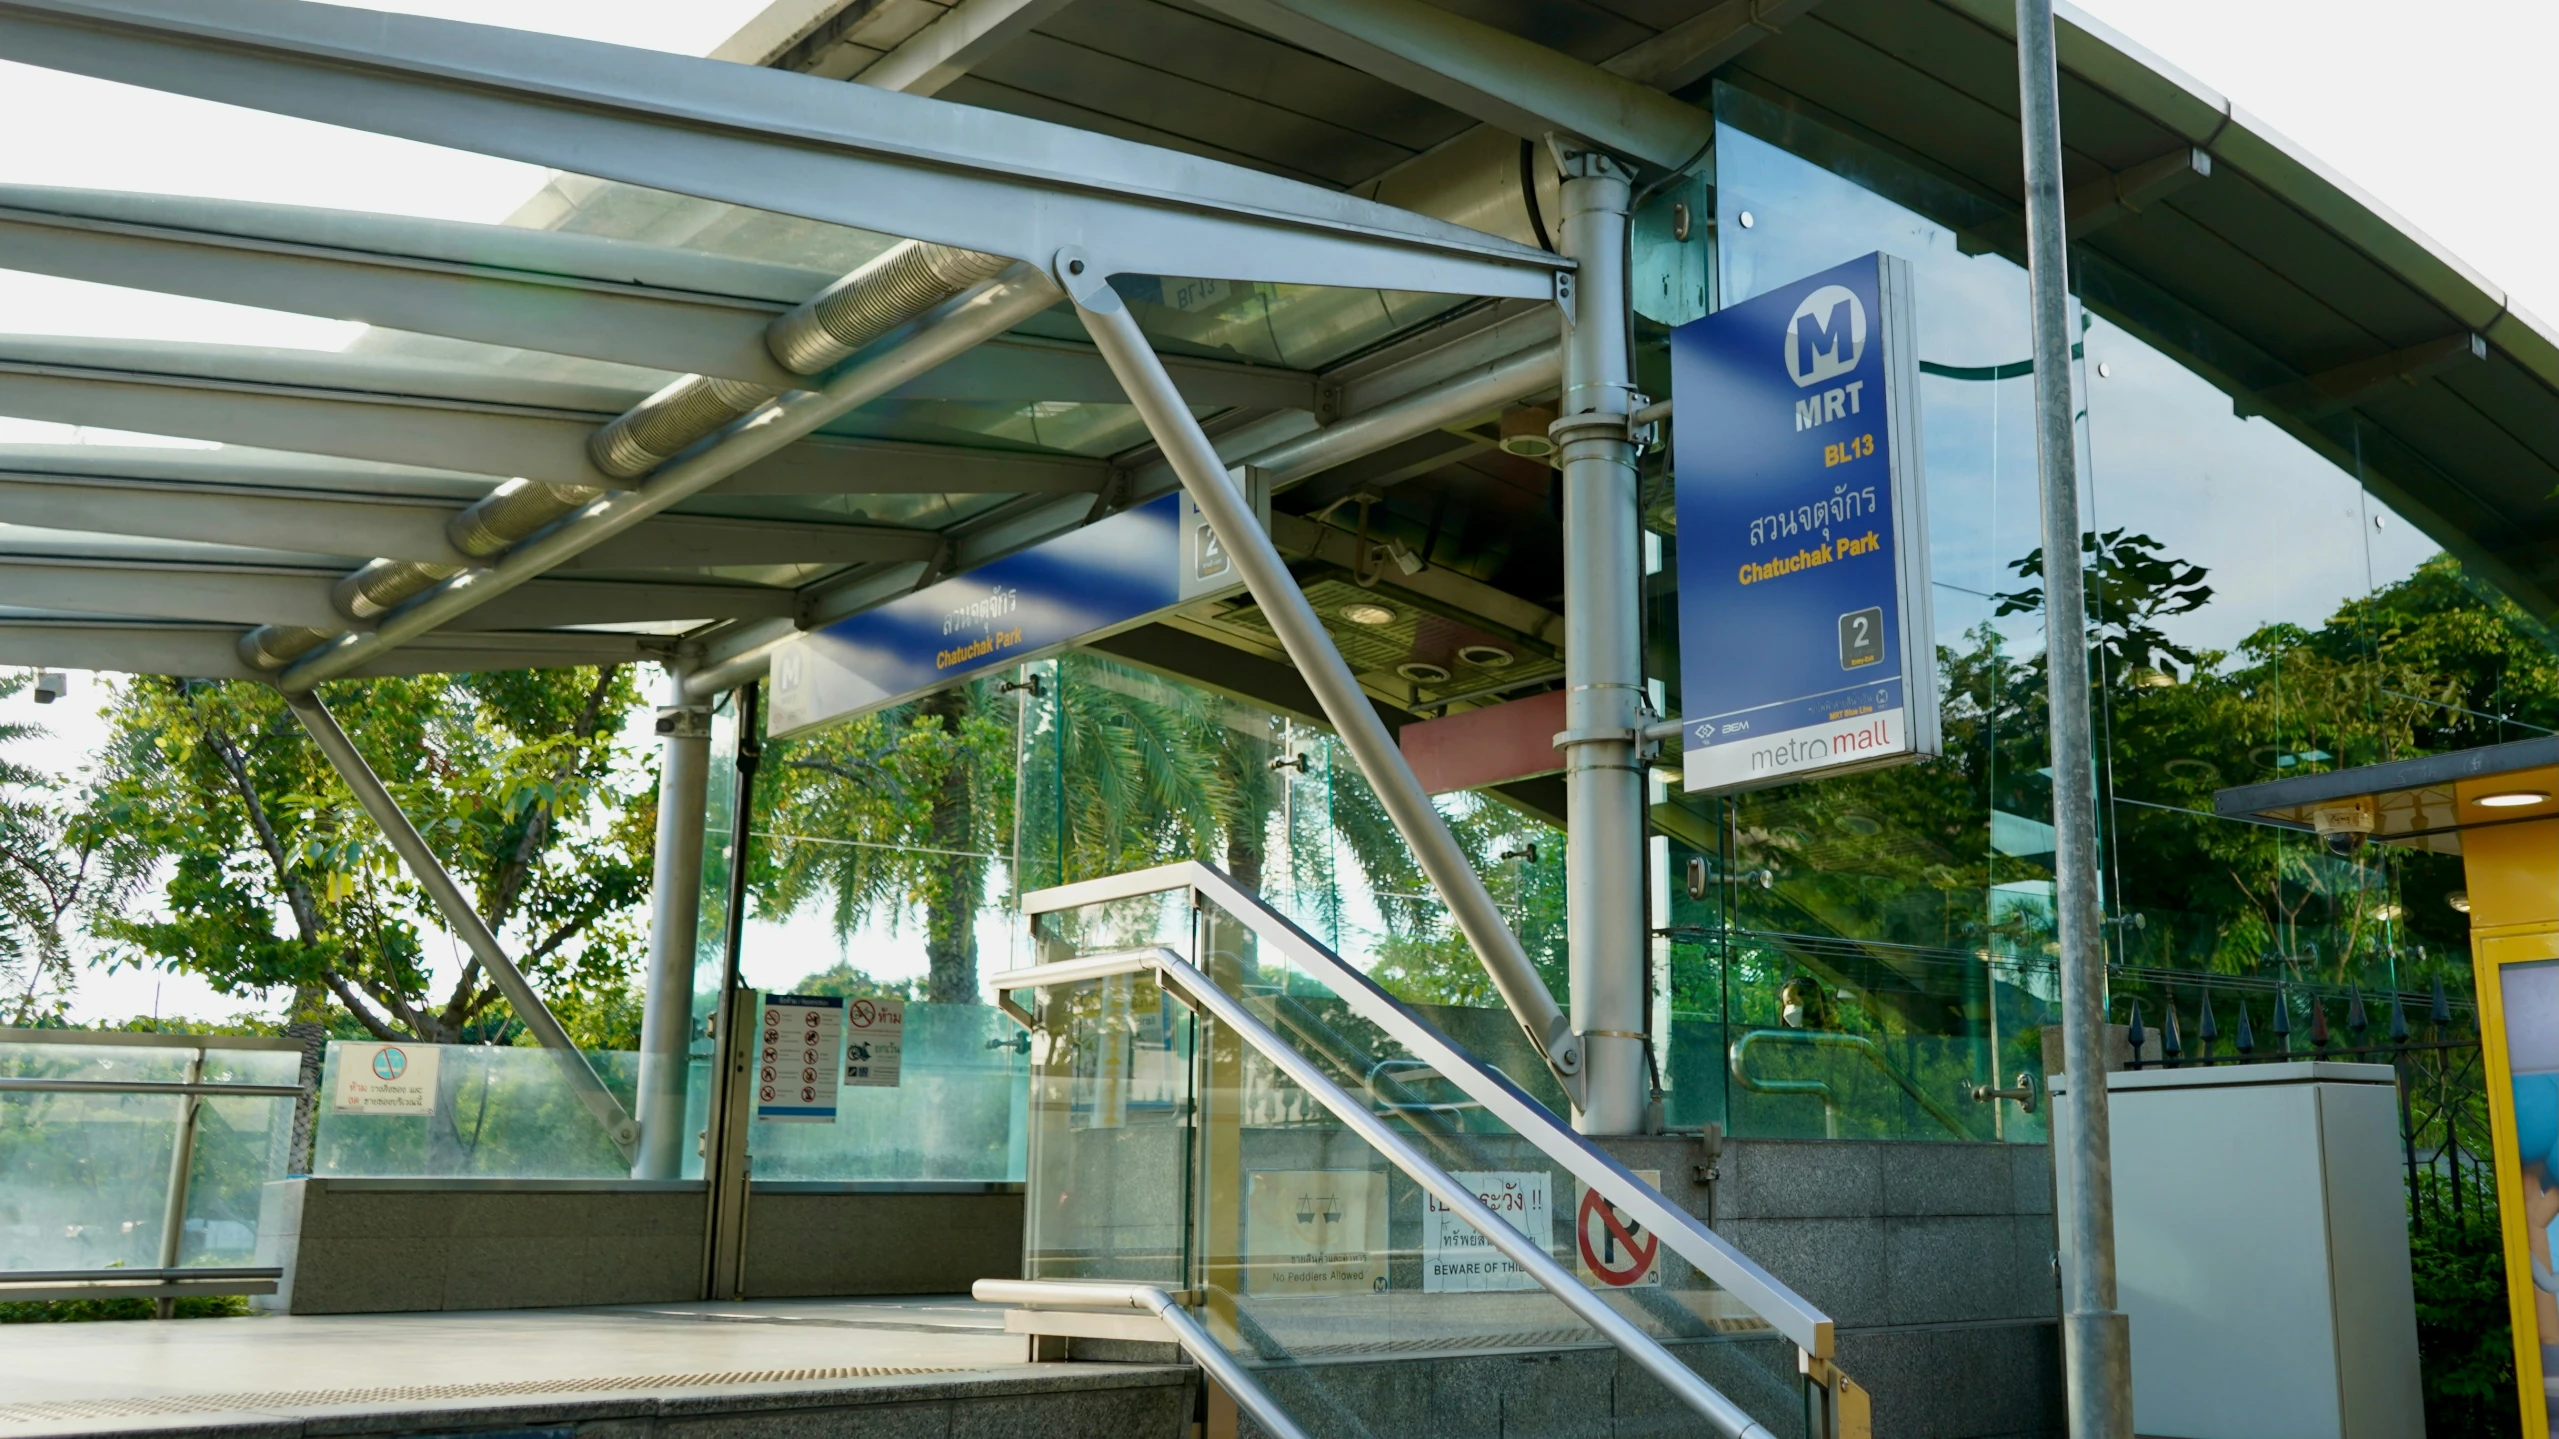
1826, 337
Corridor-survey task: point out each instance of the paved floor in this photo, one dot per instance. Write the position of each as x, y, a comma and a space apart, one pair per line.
159, 1372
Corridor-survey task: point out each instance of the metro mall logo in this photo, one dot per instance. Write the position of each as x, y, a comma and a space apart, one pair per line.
1819, 346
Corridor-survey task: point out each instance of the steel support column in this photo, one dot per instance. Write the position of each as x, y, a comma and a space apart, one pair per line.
2096, 1339
465, 922
1604, 864
675, 920
1221, 502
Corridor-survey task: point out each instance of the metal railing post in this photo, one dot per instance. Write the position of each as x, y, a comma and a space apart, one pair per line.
725, 1161
2096, 1337
457, 912
173, 1214
1133, 361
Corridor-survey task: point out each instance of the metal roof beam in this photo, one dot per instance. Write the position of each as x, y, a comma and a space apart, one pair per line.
364, 526
275, 594
845, 154
368, 408
2098, 203
1476, 69
212, 651
313, 403
432, 277
1695, 47
2329, 391
954, 43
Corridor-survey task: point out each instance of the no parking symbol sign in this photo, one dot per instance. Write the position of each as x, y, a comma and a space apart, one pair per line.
1617, 1252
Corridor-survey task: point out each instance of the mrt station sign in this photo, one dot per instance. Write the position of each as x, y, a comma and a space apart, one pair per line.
1805, 634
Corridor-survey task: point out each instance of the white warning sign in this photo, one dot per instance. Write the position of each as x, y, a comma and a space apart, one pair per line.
798, 1056
1314, 1231
1456, 1256
874, 1037
1616, 1252
385, 1079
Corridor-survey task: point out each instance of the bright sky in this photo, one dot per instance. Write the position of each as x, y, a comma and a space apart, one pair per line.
2429, 118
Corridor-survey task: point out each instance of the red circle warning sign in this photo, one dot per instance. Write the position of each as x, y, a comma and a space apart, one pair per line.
863, 1014
1615, 1249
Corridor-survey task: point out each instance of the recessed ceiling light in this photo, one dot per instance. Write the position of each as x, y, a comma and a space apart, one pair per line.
1368, 614
1422, 673
2459, 899
2511, 799
1490, 657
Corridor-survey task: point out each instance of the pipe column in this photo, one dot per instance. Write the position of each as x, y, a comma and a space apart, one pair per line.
1604, 864
2096, 1338
675, 918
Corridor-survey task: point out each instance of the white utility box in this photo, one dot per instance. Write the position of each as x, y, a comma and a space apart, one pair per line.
2261, 1250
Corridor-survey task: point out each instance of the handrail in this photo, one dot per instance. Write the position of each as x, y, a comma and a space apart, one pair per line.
1828, 1039
1196, 1341
1708, 1252
1199, 991
216, 1088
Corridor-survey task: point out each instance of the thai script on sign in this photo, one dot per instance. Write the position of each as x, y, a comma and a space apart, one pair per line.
1843, 505
1000, 601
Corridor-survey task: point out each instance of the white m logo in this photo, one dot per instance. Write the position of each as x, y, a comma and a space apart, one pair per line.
1818, 346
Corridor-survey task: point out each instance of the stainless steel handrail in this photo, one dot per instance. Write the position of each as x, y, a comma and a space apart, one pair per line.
213, 1089
1196, 1341
1196, 989
1829, 1039
1708, 1252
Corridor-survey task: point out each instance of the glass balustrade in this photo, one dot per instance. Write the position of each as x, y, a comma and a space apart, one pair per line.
1174, 1147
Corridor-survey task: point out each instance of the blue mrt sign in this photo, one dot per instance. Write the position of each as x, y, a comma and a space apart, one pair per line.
1804, 621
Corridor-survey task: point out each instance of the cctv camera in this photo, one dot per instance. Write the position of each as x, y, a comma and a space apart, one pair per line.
51, 685
2343, 843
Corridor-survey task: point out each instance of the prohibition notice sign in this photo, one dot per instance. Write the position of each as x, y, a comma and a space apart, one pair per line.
1615, 1250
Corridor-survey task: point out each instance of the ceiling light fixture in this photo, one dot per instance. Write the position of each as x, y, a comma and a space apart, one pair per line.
1368, 614
2511, 799
1422, 672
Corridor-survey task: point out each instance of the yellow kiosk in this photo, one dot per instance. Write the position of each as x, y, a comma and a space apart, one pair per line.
2498, 808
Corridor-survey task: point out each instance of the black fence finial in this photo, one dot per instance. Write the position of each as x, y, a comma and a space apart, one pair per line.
2398, 1020
2245, 1039
2283, 1021
2206, 1031
2356, 1020
2170, 1045
2319, 1022
2439, 1009
2135, 1036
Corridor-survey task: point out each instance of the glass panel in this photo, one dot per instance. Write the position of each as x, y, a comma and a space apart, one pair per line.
500, 1113
1321, 1261
1854, 955
1110, 1134
84, 1178
956, 1112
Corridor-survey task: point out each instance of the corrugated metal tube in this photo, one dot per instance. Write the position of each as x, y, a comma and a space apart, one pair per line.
667, 423
906, 280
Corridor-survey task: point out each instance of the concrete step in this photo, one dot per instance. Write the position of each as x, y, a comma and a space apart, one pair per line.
866, 1369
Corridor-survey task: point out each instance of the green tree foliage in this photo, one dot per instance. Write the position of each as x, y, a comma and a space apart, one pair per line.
512, 779
54, 872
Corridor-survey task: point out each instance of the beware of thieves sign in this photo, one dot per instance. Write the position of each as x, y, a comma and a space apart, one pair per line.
1805, 636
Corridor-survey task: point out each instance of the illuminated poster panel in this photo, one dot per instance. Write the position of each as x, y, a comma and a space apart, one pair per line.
1805, 632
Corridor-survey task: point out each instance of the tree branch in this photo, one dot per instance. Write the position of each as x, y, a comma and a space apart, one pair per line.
518, 870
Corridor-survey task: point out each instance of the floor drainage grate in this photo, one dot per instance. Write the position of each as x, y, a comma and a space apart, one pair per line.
396, 1393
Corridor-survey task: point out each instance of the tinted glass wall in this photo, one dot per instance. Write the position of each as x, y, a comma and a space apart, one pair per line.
1863, 950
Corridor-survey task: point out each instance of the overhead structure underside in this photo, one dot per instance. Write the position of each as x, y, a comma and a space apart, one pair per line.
1220, 158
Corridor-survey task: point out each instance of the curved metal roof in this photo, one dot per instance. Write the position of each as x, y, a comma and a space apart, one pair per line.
503, 347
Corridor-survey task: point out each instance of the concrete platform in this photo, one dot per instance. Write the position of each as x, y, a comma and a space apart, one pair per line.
813, 1368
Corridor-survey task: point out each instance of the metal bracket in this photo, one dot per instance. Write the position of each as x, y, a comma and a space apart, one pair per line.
1564, 295
684, 722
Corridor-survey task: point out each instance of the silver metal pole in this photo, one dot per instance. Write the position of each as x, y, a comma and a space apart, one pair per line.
2096, 1340
173, 1213
1301, 634
675, 922
1604, 863
1586, 1303
465, 922
1193, 1336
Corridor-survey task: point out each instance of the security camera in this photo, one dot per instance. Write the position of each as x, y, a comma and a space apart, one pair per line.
2343, 826
51, 685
